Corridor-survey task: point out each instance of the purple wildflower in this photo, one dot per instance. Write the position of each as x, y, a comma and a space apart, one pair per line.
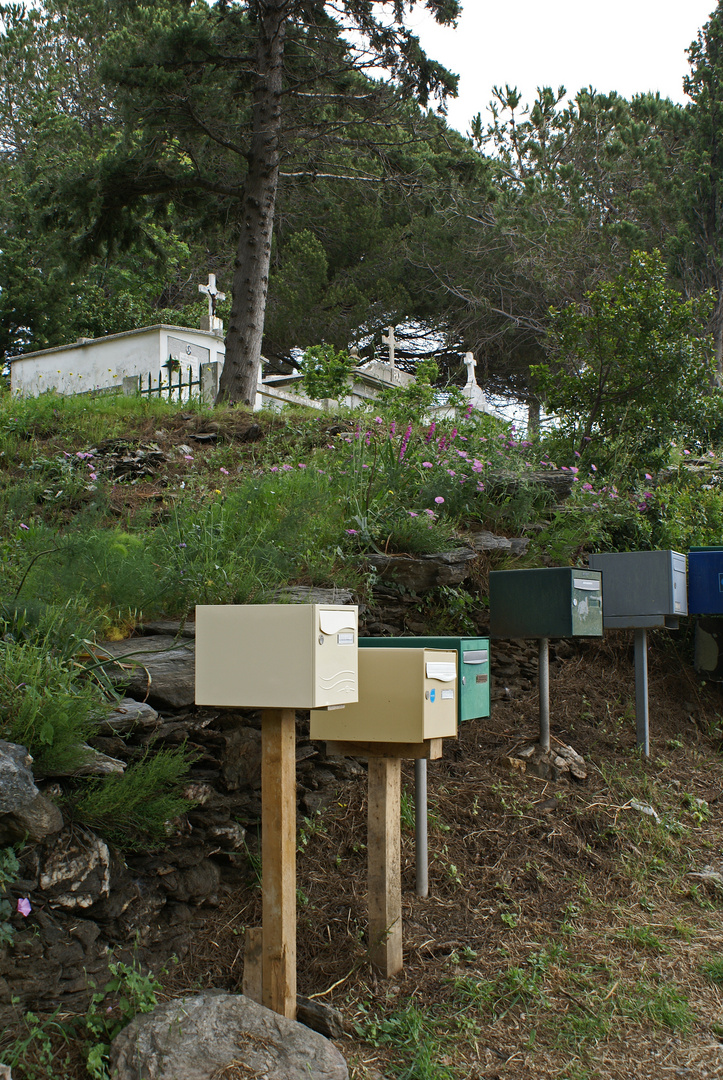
24, 907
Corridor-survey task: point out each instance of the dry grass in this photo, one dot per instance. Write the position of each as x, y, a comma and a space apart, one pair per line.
564, 935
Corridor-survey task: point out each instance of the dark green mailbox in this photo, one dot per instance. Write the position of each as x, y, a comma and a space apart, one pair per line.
473, 695
550, 602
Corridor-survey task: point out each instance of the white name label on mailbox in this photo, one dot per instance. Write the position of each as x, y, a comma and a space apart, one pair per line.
447, 694
586, 583
441, 670
345, 639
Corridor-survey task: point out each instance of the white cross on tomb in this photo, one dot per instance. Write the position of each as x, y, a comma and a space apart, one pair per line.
213, 295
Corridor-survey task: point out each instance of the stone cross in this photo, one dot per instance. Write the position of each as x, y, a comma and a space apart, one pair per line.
213, 295
470, 364
388, 339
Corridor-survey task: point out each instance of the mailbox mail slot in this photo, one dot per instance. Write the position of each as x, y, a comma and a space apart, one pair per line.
405, 696
473, 699
642, 588
297, 656
547, 602
705, 580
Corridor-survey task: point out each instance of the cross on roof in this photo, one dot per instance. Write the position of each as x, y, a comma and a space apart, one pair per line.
213, 295
388, 339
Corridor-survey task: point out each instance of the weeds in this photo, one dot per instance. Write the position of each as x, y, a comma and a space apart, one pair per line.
138, 808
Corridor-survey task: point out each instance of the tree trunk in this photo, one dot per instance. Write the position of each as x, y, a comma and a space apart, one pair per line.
717, 321
251, 267
533, 418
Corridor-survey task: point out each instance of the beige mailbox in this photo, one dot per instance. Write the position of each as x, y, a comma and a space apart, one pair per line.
405, 696
276, 656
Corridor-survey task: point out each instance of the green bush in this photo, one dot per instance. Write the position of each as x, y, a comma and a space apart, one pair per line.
138, 807
46, 705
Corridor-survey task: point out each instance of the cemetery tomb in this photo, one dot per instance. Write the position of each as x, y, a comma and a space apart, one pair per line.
705, 580
297, 656
473, 666
642, 588
406, 696
547, 602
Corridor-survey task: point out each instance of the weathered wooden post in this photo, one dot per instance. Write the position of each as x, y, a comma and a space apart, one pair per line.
407, 705
238, 665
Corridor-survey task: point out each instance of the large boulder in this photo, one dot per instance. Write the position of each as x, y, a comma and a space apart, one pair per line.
217, 1034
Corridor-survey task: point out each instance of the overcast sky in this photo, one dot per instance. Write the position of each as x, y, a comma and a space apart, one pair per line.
631, 46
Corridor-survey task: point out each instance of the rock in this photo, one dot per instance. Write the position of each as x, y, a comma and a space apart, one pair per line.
557, 480
487, 541
218, 1035
75, 872
420, 573
95, 763
307, 594
159, 668
554, 763
130, 715
17, 786
320, 1017
33, 822
173, 627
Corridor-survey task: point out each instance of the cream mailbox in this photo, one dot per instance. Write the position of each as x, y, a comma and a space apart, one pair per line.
405, 696
276, 656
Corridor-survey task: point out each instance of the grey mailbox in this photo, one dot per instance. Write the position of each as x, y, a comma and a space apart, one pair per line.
642, 589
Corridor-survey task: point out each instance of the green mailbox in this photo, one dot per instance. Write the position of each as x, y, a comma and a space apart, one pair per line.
473, 694
550, 602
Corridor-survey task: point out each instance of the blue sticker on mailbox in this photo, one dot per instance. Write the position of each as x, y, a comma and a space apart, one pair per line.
720, 583
431, 695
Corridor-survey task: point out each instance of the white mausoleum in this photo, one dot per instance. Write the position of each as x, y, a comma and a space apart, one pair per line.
101, 364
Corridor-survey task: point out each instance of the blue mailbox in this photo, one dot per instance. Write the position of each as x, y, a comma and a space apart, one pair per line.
705, 580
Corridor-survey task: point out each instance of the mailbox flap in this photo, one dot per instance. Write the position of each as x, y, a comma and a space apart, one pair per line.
475, 656
331, 622
441, 670
590, 584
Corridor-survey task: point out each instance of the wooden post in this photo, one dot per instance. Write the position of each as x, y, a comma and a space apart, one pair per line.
278, 860
384, 851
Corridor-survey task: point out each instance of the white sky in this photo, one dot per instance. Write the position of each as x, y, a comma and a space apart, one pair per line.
631, 46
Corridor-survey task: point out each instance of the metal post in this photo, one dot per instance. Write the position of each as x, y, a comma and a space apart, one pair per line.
641, 690
420, 826
544, 681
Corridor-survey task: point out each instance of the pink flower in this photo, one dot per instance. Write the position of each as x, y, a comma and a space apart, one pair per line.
439, 499
378, 420
594, 468
576, 453
93, 476
302, 465
477, 466
427, 465
687, 452
648, 476
412, 514
224, 471
587, 487
188, 457
24, 907
23, 525
274, 468
353, 532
